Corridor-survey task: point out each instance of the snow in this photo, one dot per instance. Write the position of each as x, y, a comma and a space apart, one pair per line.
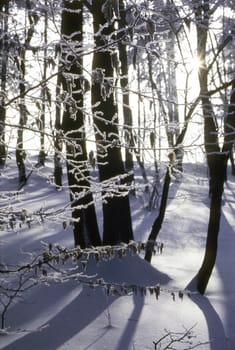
72, 315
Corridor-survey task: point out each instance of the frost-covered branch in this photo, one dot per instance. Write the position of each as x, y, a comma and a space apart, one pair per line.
175, 340
10, 290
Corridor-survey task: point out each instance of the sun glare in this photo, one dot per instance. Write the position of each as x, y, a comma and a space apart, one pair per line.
196, 64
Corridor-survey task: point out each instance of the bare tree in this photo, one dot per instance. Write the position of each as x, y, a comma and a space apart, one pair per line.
4, 45
20, 60
217, 157
116, 208
85, 225
124, 80
45, 94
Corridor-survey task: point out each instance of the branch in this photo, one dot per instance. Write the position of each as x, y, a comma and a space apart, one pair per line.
220, 88
88, 5
170, 339
219, 49
41, 83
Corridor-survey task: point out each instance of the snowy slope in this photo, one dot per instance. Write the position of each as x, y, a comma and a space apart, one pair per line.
72, 315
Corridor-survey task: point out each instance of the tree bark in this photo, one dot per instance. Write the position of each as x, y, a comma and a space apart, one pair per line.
58, 139
44, 93
216, 158
4, 44
157, 225
117, 226
217, 164
20, 153
85, 224
20, 62
124, 80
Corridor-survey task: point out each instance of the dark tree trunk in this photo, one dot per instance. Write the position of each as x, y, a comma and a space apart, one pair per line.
153, 88
86, 230
58, 139
159, 220
116, 207
4, 45
229, 124
44, 93
217, 165
85, 227
20, 62
216, 159
127, 113
20, 153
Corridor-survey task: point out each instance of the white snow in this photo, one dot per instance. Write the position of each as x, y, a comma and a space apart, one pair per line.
74, 316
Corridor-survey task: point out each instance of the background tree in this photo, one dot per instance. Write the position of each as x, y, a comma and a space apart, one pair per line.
124, 81
4, 45
20, 60
156, 39
45, 93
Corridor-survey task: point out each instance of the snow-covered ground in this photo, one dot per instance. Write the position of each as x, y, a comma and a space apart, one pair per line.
72, 315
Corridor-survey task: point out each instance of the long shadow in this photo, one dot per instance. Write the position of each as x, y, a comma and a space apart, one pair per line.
128, 334
66, 324
220, 337
90, 304
216, 332
143, 226
225, 268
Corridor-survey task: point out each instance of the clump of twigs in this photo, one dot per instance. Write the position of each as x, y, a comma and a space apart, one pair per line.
184, 340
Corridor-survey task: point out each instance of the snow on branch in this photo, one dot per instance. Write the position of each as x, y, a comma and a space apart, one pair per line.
61, 264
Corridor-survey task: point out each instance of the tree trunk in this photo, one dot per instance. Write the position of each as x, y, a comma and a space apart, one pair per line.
58, 139
153, 88
85, 225
212, 149
127, 113
216, 159
20, 62
117, 226
159, 220
217, 164
20, 153
44, 93
4, 45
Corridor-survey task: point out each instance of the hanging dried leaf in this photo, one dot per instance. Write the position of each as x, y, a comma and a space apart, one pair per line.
38, 105
181, 295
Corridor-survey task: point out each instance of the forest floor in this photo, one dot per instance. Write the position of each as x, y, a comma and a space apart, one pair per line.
71, 315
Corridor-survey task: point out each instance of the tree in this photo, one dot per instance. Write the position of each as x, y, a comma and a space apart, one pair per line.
85, 225
124, 80
217, 157
45, 94
152, 36
4, 45
156, 227
117, 226
58, 137
20, 60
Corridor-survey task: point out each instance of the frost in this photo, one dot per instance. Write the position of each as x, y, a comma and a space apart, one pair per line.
98, 76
